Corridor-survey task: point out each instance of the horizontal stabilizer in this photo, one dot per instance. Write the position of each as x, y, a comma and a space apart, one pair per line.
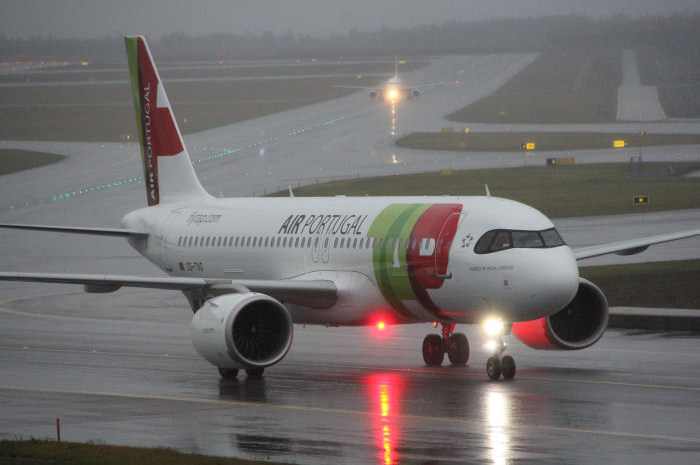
118, 232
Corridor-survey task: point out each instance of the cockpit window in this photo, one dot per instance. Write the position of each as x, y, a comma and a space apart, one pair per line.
551, 238
527, 239
501, 239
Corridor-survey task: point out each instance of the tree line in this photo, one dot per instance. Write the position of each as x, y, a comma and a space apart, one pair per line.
677, 34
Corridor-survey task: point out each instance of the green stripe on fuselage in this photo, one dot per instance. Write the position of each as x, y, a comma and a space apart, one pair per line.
395, 222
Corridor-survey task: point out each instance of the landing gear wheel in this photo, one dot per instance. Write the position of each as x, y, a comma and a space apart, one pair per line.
228, 373
254, 372
508, 367
458, 349
433, 350
493, 368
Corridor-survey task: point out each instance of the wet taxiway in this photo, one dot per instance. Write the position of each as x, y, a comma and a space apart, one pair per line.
121, 369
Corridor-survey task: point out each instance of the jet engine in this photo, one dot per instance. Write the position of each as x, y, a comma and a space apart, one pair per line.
247, 330
373, 94
415, 93
578, 325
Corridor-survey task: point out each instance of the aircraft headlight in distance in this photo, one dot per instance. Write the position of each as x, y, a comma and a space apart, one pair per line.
493, 327
393, 94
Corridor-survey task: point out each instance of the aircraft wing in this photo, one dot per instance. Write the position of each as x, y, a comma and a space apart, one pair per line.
632, 246
312, 293
115, 232
359, 87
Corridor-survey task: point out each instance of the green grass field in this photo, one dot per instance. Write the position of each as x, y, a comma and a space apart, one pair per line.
544, 141
103, 112
558, 88
51, 452
576, 190
18, 160
654, 285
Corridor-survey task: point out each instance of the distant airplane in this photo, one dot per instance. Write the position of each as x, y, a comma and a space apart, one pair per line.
393, 89
251, 267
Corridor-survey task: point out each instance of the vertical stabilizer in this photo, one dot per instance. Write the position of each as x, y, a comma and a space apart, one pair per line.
167, 169
396, 66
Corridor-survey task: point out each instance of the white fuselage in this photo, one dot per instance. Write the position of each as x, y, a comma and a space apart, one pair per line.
409, 259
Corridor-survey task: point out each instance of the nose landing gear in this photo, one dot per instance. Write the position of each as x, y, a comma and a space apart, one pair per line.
497, 364
454, 344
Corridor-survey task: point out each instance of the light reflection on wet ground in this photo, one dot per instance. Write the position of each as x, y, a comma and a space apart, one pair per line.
343, 395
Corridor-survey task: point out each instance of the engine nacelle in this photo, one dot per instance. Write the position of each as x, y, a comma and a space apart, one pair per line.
373, 94
577, 326
248, 330
415, 93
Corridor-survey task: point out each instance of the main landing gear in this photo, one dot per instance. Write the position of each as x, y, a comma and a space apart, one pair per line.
497, 364
454, 344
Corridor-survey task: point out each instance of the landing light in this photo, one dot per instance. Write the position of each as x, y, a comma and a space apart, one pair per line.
393, 94
493, 327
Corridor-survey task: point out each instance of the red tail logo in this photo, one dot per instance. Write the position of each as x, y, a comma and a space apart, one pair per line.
160, 135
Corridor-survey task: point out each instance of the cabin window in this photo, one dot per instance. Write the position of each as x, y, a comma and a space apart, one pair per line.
427, 248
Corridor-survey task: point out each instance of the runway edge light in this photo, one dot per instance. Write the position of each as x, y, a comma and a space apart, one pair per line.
641, 199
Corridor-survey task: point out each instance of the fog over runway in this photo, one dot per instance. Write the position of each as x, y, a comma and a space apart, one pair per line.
120, 367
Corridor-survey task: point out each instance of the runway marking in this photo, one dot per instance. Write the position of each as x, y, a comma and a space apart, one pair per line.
358, 367
613, 383
336, 411
100, 352
69, 318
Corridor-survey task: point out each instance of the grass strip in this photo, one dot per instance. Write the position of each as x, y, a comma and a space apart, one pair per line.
557, 88
12, 161
545, 141
562, 191
653, 285
36, 451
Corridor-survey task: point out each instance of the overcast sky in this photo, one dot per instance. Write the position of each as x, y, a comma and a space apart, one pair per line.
93, 18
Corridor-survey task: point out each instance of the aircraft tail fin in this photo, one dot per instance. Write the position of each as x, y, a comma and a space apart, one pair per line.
167, 168
396, 66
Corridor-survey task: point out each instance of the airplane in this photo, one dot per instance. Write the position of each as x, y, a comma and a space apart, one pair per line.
393, 89
251, 268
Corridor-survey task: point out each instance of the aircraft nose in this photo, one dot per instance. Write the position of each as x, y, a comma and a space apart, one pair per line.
556, 276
